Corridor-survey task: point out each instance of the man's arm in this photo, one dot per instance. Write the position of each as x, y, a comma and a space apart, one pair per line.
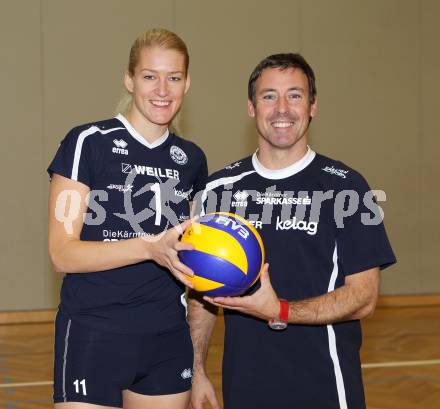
356, 299
201, 317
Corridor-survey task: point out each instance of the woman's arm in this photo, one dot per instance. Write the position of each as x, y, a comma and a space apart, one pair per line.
69, 254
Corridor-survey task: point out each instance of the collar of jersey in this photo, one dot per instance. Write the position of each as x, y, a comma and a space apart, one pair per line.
136, 135
291, 170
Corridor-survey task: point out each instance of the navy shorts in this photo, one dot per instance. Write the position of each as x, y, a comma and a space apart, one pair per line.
95, 366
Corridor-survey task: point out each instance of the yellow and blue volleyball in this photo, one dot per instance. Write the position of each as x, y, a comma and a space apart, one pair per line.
228, 254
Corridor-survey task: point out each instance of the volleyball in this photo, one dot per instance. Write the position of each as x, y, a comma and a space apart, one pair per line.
228, 254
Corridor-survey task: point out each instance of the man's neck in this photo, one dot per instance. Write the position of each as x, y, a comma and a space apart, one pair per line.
274, 158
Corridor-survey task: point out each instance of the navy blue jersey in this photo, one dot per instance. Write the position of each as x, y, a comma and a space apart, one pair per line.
137, 189
319, 223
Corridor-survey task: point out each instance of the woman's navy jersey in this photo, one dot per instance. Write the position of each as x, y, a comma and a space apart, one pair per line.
319, 223
137, 189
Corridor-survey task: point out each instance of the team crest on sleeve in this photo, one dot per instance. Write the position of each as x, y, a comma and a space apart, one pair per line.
178, 155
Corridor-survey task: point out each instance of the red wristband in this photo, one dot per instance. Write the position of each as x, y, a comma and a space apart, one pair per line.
284, 310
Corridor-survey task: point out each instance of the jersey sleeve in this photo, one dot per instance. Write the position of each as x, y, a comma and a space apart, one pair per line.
74, 158
362, 242
200, 178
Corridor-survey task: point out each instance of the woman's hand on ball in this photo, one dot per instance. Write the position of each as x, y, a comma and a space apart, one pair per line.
164, 251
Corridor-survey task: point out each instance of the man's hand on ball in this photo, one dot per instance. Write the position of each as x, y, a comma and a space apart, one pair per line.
164, 248
263, 304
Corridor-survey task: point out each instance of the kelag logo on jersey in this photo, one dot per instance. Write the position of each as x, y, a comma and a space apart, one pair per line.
183, 193
178, 155
293, 224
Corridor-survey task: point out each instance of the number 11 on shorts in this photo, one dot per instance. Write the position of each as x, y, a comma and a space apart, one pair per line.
77, 383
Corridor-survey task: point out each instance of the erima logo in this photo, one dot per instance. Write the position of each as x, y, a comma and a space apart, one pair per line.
291, 224
231, 223
338, 172
120, 147
186, 373
240, 198
234, 165
178, 155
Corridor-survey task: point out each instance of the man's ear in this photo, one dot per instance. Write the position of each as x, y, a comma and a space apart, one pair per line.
314, 108
251, 109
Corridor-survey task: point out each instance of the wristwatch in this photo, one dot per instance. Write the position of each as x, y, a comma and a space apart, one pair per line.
283, 317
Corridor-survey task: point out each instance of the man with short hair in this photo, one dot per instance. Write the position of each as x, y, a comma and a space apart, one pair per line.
293, 341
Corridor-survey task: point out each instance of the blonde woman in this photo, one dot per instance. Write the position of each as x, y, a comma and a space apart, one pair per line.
119, 199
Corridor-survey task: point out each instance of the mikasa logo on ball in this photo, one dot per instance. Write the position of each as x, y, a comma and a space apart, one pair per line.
243, 232
178, 155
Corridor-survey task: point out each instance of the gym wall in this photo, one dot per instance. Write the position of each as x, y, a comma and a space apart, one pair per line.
377, 66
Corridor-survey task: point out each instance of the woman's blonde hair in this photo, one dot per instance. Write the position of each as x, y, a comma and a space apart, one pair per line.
155, 37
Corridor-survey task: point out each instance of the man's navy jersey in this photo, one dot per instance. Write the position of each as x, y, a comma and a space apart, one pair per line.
319, 223
137, 189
